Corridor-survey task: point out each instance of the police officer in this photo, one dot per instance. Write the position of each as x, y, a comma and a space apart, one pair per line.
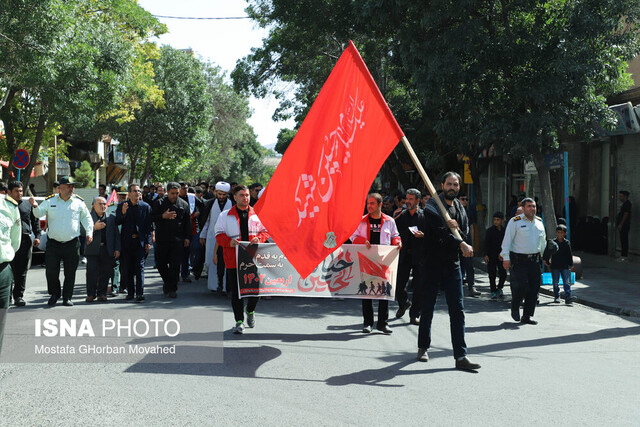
172, 219
66, 211
523, 244
30, 238
10, 230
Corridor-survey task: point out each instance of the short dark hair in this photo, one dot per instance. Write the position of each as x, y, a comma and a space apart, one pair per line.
199, 190
526, 200
145, 186
131, 186
172, 185
451, 173
254, 185
191, 190
238, 188
56, 184
376, 196
15, 184
498, 215
182, 184
625, 193
414, 192
561, 228
102, 186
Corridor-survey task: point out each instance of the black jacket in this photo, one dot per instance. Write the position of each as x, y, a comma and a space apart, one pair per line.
493, 241
562, 259
412, 248
30, 224
171, 230
442, 247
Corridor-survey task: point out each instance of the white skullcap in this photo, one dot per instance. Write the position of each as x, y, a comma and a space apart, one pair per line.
223, 186
261, 191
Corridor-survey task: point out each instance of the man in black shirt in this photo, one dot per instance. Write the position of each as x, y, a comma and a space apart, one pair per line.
173, 232
492, 248
22, 260
623, 221
443, 269
412, 257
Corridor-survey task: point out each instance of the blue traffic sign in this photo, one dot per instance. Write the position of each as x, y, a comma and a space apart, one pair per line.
20, 159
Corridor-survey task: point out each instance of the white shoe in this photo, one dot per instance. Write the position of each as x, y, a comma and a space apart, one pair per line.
84, 260
239, 328
622, 259
251, 319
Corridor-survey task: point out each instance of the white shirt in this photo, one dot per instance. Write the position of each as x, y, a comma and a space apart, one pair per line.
64, 218
523, 237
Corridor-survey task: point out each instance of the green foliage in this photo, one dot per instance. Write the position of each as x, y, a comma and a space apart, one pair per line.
285, 136
84, 175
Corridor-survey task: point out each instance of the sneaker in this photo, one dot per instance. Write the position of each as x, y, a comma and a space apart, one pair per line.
384, 329
622, 259
500, 294
140, 298
251, 319
556, 300
494, 295
84, 260
473, 293
466, 364
422, 355
239, 328
414, 321
67, 302
367, 329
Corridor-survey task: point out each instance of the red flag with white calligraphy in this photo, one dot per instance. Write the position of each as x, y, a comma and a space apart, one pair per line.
315, 199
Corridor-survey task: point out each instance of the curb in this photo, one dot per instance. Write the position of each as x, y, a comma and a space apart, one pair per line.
480, 265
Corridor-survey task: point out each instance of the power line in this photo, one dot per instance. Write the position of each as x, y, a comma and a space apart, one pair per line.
190, 17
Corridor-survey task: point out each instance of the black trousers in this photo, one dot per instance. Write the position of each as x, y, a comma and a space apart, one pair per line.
99, 272
169, 256
526, 281
383, 312
221, 268
624, 240
405, 267
20, 265
466, 266
236, 302
132, 260
493, 265
69, 254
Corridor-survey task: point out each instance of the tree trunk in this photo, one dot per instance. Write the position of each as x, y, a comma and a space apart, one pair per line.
481, 210
548, 209
147, 164
37, 143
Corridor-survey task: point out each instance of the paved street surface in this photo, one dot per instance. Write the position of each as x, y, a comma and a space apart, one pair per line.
307, 362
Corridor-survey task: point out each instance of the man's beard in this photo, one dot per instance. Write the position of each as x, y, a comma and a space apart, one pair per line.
450, 195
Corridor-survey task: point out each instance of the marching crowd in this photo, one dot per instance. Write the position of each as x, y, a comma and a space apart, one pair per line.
185, 238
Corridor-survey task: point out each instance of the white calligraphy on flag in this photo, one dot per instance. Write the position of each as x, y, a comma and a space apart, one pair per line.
311, 191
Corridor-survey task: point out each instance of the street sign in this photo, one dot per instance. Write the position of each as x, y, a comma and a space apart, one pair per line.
554, 161
20, 159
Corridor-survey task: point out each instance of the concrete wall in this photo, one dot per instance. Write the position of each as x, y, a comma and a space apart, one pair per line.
628, 172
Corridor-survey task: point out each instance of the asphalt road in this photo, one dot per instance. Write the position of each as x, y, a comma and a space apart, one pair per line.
306, 362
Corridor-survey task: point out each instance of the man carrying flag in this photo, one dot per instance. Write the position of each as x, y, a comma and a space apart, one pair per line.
376, 228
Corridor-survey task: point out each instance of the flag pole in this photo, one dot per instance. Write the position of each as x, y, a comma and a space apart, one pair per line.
430, 186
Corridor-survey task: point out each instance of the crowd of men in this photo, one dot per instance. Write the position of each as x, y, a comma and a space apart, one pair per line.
433, 235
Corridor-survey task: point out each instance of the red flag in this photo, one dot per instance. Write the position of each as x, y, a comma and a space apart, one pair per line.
315, 199
113, 198
372, 268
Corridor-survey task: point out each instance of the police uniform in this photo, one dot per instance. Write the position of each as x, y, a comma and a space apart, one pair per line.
64, 219
523, 244
10, 230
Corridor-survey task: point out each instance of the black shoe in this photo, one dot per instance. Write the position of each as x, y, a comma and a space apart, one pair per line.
186, 279
422, 355
20, 302
473, 293
140, 298
67, 302
173, 295
403, 310
529, 321
112, 294
414, 321
466, 364
129, 297
384, 329
53, 300
515, 314
122, 291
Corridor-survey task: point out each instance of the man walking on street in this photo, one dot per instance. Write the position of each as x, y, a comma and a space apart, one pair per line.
468, 273
102, 251
443, 270
214, 257
376, 228
240, 223
65, 213
523, 245
134, 216
30, 238
492, 248
173, 231
623, 222
10, 231
412, 257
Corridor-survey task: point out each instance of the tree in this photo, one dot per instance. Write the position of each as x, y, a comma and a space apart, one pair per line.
67, 63
84, 175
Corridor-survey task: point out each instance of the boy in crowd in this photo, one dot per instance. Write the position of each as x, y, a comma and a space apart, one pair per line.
492, 247
561, 265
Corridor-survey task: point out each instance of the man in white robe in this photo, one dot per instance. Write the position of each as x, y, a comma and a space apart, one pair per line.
214, 259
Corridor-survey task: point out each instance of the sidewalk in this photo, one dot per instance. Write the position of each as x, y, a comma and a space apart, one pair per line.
605, 284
